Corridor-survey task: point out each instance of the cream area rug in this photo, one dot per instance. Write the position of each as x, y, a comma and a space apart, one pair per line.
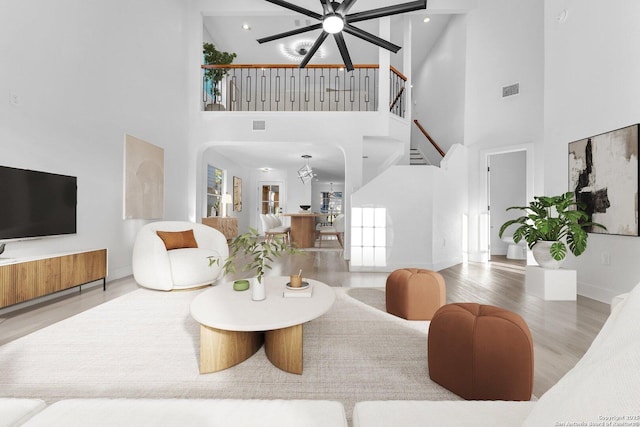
145, 344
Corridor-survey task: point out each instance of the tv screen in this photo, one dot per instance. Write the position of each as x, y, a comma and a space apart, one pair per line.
35, 204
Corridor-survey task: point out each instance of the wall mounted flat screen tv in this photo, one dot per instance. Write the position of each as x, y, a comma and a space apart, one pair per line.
36, 204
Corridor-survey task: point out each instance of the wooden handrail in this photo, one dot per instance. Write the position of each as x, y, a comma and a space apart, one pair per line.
425, 133
230, 66
395, 100
398, 73
338, 66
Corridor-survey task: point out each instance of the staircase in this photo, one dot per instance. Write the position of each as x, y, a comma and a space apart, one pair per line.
416, 158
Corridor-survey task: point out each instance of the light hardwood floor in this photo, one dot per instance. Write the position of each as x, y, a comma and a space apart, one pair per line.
562, 331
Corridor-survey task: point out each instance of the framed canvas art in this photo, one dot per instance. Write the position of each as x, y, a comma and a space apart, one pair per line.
143, 179
603, 174
237, 194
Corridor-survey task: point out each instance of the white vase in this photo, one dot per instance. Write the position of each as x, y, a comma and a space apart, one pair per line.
258, 292
542, 255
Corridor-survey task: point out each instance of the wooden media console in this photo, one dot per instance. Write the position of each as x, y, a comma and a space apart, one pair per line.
28, 278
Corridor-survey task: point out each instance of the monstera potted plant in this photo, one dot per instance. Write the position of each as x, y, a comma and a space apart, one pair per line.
213, 76
260, 253
550, 225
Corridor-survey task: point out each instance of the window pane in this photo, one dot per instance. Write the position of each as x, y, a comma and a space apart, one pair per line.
367, 217
356, 217
381, 217
367, 236
356, 236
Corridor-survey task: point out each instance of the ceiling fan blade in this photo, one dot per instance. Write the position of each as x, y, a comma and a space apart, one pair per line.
290, 33
344, 7
342, 46
296, 8
364, 35
327, 7
321, 38
386, 11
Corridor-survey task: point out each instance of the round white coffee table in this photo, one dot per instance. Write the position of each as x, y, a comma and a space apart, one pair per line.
233, 326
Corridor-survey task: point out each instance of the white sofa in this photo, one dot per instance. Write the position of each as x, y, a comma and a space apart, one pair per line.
155, 267
602, 389
14, 412
172, 413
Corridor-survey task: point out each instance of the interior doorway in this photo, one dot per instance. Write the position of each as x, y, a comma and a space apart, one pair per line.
269, 198
507, 186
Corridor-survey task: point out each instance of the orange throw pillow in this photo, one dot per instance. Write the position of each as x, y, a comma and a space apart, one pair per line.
178, 239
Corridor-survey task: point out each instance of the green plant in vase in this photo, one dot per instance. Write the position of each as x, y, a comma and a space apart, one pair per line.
260, 253
212, 56
550, 225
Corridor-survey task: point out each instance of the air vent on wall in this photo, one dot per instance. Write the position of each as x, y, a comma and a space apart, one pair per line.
259, 125
511, 90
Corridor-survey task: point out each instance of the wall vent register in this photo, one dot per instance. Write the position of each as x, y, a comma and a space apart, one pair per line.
259, 125
511, 90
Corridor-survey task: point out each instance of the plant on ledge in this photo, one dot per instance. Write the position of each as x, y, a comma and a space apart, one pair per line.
212, 56
555, 220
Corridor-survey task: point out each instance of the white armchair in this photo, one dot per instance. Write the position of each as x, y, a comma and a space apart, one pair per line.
156, 267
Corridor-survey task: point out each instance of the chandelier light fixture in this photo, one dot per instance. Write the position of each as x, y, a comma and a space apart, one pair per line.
305, 173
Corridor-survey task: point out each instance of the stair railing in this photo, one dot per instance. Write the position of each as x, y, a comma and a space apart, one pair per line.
426, 134
317, 87
396, 88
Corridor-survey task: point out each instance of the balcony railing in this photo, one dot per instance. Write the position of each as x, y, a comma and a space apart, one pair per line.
289, 88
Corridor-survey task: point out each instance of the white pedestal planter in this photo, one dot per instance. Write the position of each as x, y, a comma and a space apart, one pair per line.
542, 254
551, 284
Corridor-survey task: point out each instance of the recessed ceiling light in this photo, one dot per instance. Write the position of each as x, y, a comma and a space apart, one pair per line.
265, 169
246, 27
427, 19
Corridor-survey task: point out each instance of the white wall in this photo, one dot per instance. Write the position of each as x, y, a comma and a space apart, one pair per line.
504, 46
591, 87
439, 92
86, 73
424, 220
450, 203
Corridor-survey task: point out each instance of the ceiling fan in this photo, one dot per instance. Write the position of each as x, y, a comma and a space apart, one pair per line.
336, 19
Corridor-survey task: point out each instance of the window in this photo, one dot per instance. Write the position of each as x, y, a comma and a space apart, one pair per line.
215, 178
369, 237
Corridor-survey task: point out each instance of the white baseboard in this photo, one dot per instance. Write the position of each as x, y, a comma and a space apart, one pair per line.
597, 293
440, 265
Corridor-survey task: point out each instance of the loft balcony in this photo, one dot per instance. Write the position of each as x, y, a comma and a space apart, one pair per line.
285, 87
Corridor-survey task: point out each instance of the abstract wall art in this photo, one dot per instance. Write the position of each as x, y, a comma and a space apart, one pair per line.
143, 179
603, 174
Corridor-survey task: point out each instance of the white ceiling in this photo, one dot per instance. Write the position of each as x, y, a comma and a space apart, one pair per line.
227, 34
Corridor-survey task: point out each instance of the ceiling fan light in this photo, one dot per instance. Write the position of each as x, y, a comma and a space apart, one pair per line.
332, 24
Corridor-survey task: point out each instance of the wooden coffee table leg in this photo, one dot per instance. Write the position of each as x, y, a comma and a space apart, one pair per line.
220, 349
284, 348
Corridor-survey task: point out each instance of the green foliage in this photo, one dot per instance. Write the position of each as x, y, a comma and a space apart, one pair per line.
213, 56
539, 223
260, 253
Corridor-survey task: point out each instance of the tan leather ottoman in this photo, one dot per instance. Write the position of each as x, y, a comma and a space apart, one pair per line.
415, 294
481, 352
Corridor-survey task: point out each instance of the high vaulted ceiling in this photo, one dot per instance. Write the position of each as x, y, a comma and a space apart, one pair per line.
228, 34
